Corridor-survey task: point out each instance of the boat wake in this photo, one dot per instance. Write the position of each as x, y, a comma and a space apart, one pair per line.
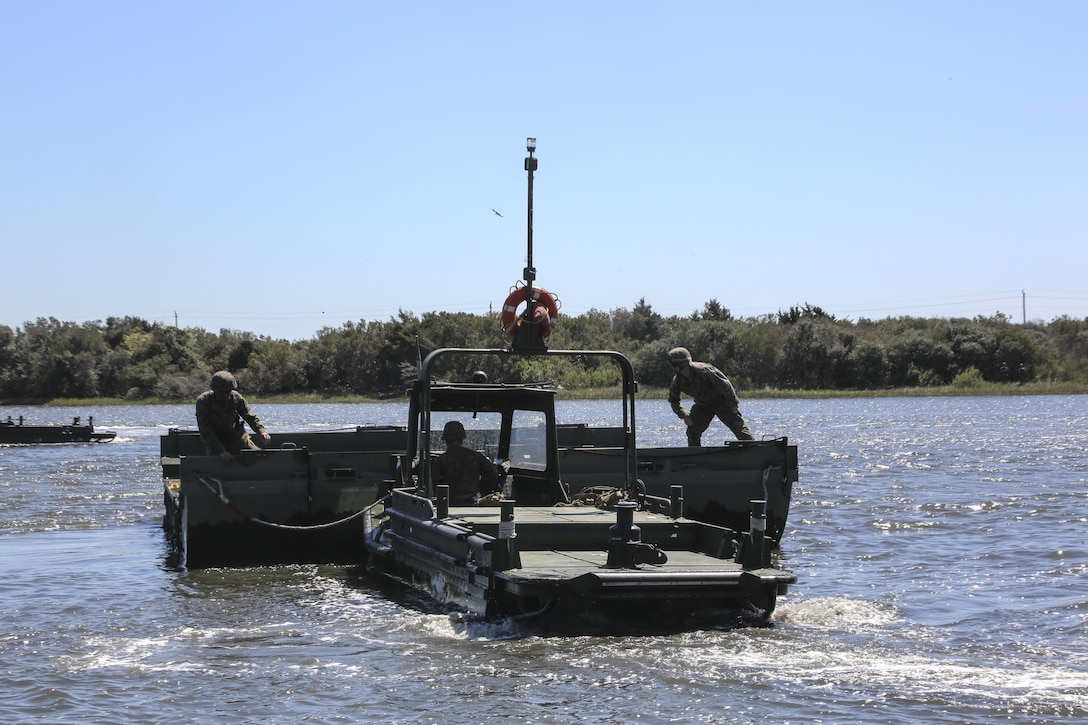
836, 613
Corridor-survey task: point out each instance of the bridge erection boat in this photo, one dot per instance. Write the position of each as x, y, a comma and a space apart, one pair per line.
630, 557
587, 525
16, 431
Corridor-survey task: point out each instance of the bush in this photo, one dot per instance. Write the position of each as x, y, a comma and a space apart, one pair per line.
969, 378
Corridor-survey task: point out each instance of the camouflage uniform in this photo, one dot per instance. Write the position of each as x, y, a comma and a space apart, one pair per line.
713, 395
468, 473
220, 423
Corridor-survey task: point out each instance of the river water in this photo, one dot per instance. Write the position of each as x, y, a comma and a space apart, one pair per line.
941, 546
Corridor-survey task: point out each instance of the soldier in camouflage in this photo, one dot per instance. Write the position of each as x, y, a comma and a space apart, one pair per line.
713, 395
220, 413
467, 472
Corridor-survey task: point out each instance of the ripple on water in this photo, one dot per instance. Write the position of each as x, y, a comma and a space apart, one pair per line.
941, 564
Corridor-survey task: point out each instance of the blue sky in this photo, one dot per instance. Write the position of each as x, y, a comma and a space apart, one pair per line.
279, 167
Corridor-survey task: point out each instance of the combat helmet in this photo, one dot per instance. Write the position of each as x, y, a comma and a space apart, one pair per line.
679, 355
223, 381
453, 431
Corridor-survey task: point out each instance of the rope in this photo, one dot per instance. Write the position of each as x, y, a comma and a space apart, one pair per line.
217, 491
603, 497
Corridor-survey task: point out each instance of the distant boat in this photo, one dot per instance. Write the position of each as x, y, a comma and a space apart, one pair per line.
14, 431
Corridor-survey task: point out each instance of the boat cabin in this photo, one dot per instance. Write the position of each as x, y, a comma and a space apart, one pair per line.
515, 423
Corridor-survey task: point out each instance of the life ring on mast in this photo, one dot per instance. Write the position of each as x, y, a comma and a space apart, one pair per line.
511, 319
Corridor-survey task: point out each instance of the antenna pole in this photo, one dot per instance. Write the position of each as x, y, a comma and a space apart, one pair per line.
530, 336
530, 167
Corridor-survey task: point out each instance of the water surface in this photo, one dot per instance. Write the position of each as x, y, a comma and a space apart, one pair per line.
939, 543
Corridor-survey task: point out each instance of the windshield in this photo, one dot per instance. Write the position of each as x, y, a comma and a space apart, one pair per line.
528, 440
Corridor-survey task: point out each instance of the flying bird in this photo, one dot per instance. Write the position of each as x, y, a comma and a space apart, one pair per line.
496, 213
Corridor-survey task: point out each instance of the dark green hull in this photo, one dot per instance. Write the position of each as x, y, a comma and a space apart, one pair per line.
299, 501
310, 479
17, 433
557, 568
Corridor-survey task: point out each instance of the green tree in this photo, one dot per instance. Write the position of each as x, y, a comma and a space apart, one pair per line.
918, 359
713, 310
277, 367
758, 353
870, 365
56, 359
806, 358
7, 362
641, 324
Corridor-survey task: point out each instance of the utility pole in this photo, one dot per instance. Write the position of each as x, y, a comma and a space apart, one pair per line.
1023, 308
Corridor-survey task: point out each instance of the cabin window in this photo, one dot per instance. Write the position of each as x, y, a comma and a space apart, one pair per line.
529, 440
481, 431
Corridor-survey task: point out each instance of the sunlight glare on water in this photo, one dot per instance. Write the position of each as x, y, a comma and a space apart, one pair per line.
941, 562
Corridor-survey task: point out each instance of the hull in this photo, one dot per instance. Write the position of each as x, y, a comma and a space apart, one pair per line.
25, 434
719, 483
298, 501
562, 568
308, 479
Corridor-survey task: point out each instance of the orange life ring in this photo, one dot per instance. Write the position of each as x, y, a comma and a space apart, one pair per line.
519, 295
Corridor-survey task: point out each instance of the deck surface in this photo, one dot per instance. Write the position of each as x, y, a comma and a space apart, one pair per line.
561, 540
586, 515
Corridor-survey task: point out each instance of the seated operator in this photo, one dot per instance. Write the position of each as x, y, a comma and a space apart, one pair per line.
469, 473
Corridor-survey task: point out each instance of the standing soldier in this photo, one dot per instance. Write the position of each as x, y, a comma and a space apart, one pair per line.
713, 395
219, 415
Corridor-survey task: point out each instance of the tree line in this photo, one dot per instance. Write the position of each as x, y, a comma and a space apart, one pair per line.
802, 348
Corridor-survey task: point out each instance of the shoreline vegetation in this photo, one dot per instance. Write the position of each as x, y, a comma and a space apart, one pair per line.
802, 352
982, 389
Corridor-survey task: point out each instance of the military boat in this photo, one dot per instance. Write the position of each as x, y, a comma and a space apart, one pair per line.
16, 431
629, 557
545, 551
700, 524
